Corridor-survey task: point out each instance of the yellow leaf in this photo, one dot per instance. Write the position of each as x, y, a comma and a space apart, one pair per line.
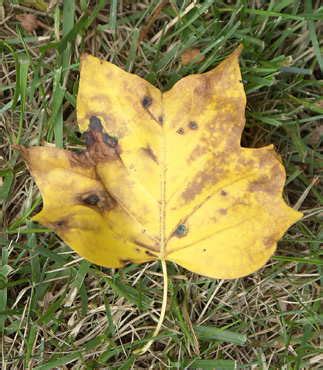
164, 175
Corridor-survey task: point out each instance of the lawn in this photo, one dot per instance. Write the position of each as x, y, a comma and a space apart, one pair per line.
58, 311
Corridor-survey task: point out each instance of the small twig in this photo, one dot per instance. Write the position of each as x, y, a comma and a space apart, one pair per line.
151, 20
305, 194
173, 22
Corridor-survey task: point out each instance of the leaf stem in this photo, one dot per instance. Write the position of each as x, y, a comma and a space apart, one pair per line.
145, 348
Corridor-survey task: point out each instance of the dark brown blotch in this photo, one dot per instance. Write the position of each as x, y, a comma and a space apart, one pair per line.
88, 138
149, 152
146, 101
80, 159
91, 199
161, 120
224, 193
193, 125
101, 201
105, 147
95, 124
180, 131
111, 141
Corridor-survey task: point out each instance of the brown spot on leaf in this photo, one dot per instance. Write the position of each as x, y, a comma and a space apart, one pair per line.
245, 162
161, 120
223, 211
146, 101
223, 193
200, 181
80, 159
265, 184
233, 138
265, 159
259, 184
88, 138
203, 89
91, 200
270, 241
181, 231
100, 200
149, 152
197, 152
107, 120
193, 125
180, 131
100, 146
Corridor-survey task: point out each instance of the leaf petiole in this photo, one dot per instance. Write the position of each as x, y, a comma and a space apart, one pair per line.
144, 349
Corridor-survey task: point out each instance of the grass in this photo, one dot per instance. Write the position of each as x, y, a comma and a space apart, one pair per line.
58, 311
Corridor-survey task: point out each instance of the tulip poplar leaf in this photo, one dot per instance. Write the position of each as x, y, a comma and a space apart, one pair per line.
164, 175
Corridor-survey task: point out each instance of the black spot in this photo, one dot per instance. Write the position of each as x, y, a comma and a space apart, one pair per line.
161, 119
180, 131
146, 101
95, 124
193, 125
224, 193
89, 139
110, 140
181, 230
91, 200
